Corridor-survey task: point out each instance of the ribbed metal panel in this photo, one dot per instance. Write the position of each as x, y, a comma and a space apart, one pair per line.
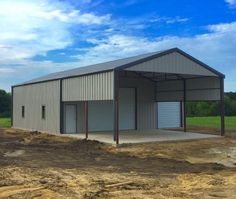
168, 114
203, 83
33, 97
97, 86
207, 88
146, 107
174, 63
169, 90
203, 88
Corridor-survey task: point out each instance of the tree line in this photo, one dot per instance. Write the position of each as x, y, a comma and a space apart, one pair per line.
5, 104
203, 108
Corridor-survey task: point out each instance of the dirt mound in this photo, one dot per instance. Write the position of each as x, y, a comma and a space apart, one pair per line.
39, 165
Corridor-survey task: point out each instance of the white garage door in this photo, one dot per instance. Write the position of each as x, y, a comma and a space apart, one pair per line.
100, 113
168, 114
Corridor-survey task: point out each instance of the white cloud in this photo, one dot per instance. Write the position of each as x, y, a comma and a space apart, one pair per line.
4, 71
217, 48
29, 27
176, 20
169, 20
231, 2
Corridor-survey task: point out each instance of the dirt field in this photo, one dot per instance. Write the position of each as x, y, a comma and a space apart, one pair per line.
34, 165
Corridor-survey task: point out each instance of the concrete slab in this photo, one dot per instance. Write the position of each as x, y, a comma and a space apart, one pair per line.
155, 135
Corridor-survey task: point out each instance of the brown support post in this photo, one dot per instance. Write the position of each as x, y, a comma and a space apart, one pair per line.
136, 109
222, 107
184, 105
116, 107
86, 118
62, 122
181, 113
156, 103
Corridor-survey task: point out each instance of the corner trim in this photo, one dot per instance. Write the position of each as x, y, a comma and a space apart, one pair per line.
61, 110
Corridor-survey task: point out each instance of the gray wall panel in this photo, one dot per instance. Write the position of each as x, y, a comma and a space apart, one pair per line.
207, 95
204, 88
146, 107
33, 97
203, 83
169, 90
172, 63
97, 86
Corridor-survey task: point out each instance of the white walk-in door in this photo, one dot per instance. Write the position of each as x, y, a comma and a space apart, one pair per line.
70, 118
168, 114
101, 116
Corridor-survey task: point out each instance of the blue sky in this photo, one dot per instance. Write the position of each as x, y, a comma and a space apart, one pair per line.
44, 36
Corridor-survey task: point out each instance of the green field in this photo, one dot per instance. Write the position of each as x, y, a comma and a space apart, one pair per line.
5, 122
212, 122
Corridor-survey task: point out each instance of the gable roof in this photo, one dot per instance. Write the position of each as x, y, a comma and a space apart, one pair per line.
119, 64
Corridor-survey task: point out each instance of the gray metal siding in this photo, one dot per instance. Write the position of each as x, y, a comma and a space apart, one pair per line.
168, 114
207, 88
146, 106
33, 97
174, 63
170, 90
85, 88
100, 115
204, 88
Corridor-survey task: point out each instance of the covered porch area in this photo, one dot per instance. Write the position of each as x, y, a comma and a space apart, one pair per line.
120, 106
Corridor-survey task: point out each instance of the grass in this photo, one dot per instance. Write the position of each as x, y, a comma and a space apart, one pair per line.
212, 122
5, 122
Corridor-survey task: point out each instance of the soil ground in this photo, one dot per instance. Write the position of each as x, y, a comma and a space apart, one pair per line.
35, 165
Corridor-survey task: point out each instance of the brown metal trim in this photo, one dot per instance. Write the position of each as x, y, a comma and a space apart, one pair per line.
61, 108
186, 78
117, 121
157, 110
138, 62
222, 108
200, 63
116, 106
168, 52
86, 118
193, 89
181, 113
143, 76
136, 109
184, 105
12, 106
188, 100
76, 116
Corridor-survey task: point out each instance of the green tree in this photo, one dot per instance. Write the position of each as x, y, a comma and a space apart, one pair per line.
5, 104
212, 108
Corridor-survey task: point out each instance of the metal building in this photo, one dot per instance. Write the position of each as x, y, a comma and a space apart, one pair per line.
115, 95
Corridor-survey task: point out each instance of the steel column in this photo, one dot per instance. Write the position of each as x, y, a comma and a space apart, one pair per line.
136, 109
61, 110
116, 107
184, 104
86, 118
222, 107
12, 106
181, 113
